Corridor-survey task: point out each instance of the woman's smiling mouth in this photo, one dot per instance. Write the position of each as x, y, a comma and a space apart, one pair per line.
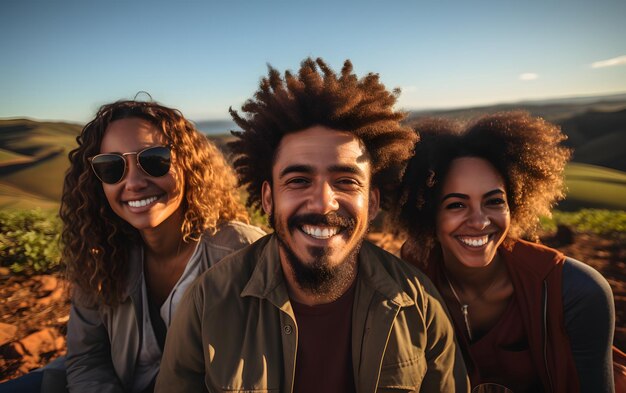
474, 241
142, 202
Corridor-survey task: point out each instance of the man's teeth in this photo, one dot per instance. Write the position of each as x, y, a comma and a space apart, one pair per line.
475, 241
320, 232
142, 202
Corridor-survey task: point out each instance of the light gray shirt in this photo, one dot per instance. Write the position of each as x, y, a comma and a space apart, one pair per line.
150, 353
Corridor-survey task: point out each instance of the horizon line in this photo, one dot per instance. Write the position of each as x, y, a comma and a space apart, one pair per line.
524, 101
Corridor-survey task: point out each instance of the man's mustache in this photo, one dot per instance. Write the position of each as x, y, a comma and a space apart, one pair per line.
331, 220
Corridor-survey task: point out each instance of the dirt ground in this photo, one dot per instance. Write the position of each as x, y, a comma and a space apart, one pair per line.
34, 310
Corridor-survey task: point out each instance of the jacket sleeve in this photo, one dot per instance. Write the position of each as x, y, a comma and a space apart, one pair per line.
589, 314
182, 365
89, 365
446, 369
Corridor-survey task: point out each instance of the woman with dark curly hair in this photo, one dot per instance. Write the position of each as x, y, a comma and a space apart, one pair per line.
148, 203
526, 316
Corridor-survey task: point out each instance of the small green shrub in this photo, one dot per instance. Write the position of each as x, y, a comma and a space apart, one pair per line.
598, 221
29, 240
258, 218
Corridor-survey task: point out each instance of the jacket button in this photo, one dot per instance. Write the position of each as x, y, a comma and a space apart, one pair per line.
288, 329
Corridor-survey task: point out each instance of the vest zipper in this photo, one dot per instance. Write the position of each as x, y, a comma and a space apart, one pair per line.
545, 333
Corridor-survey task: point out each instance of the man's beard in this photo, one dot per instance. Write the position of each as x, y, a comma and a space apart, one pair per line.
318, 277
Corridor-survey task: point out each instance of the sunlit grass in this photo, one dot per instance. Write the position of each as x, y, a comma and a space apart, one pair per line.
597, 221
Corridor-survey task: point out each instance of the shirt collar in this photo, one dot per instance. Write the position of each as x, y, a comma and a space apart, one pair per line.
267, 280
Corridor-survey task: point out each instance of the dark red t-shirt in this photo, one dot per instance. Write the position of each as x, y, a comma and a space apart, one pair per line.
503, 354
324, 357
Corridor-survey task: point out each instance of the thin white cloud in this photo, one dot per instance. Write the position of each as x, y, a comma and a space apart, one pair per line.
528, 76
620, 60
409, 89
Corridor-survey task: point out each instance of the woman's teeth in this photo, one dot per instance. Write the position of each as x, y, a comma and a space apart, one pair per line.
320, 232
474, 241
142, 202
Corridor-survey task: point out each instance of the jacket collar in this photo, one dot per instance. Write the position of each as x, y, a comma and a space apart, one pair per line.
373, 272
267, 280
544, 259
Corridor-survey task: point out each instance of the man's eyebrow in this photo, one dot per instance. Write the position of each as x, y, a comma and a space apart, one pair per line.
301, 168
347, 168
296, 168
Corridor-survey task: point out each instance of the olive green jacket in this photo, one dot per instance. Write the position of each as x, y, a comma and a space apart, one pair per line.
235, 329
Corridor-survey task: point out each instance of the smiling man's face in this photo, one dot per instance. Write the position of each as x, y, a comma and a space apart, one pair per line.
320, 202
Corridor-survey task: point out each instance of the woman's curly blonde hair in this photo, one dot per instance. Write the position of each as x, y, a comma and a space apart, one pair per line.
96, 241
527, 152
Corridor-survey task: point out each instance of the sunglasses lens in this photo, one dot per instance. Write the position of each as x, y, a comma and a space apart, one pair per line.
155, 161
108, 167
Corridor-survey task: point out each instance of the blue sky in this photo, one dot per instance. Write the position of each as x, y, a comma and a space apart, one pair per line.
63, 59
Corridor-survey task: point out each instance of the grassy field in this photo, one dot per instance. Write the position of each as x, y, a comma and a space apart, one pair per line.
43, 178
594, 187
7, 156
14, 198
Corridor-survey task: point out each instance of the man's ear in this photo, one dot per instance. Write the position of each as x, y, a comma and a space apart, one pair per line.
374, 204
266, 198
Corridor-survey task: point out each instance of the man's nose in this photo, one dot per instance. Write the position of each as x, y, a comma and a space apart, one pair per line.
323, 199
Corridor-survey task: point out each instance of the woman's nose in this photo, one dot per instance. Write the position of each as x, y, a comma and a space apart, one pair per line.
478, 219
135, 178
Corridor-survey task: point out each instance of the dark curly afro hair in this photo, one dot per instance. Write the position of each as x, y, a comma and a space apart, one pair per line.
526, 150
317, 96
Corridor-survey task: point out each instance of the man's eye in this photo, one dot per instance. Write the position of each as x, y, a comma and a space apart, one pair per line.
348, 183
297, 181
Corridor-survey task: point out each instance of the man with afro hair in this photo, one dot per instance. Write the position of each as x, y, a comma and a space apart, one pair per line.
313, 307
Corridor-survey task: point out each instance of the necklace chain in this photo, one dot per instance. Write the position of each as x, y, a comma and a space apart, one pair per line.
465, 306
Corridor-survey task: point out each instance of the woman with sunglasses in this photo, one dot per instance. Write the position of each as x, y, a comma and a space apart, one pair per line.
526, 316
148, 204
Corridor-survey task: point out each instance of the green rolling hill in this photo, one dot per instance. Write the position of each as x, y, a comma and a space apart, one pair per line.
42, 177
15, 198
33, 160
590, 186
8, 157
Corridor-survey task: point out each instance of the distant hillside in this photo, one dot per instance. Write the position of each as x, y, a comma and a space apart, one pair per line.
596, 129
598, 138
33, 161
554, 110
